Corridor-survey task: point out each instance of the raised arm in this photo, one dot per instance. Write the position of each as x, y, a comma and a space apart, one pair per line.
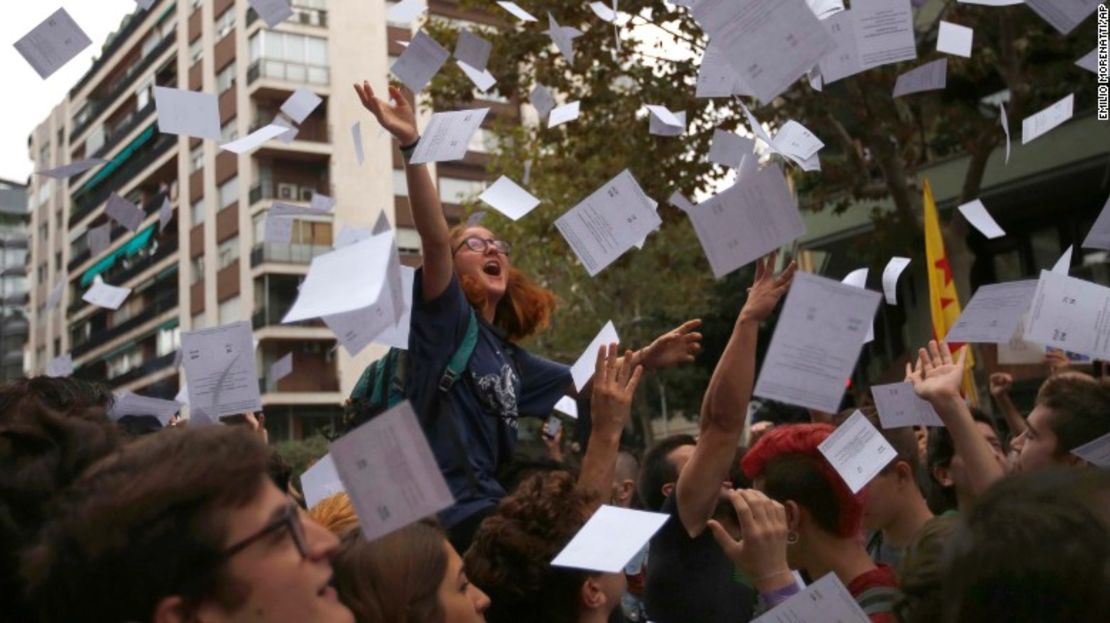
1001, 382
614, 384
398, 118
724, 408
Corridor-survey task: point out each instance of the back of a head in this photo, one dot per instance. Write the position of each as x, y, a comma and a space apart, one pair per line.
940, 450
512, 551
921, 572
143, 524
1079, 407
1034, 548
657, 470
51, 430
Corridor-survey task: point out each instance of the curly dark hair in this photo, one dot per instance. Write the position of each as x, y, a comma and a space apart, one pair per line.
510, 558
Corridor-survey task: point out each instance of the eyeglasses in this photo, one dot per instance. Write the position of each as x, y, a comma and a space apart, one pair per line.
479, 245
290, 520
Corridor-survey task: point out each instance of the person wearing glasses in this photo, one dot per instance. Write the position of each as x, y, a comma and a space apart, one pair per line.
184, 525
471, 424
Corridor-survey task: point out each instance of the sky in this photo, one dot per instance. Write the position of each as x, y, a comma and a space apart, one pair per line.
28, 99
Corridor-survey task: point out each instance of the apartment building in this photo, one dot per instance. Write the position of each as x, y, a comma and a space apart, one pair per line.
13, 278
210, 265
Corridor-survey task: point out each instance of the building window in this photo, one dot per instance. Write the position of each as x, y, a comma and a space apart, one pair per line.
230, 311
196, 49
230, 130
226, 78
225, 23
167, 341
400, 183
196, 159
229, 192
196, 212
408, 240
197, 269
228, 252
292, 57
455, 190
124, 362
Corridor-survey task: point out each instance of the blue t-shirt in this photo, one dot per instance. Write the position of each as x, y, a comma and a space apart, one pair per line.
502, 383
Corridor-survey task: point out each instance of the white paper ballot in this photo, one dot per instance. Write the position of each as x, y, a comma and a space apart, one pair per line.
1099, 236
611, 537
351, 235
1064, 15
53, 43
483, 79
390, 473
899, 406
567, 406
1070, 314
883, 31
124, 212
273, 12
976, 214
301, 104
55, 297
278, 229
795, 141
508, 198
730, 149
954, 39
145, 4
343, 280
356, 138
220, 368
61, 366
857, 451
127, 403
448, 135
609, 222
321, 481
1047, 119
749, 220
891, 273
825, 8
928, 77
99, 239
1004, 119
405, 11
542, 100
473, 50
858, 279
321, 202
993, 313
665, 116
397, 336
165, 215
281, 368
563, 37
816, 343
1063, 265
420, 61
583, 369
1089, 61
520, 13
381, 225
255, 139
680, 201
716, 77
1095, 452
770, 43
563, 114
843, 59
104, 295
73, 168
605, 13
187, 113
658, 128
824, 601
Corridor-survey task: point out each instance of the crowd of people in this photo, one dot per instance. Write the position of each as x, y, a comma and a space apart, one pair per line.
967, 523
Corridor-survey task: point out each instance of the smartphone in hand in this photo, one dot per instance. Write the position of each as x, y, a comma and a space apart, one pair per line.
552, 426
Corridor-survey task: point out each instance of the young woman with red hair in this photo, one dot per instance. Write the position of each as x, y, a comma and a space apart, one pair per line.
467, 270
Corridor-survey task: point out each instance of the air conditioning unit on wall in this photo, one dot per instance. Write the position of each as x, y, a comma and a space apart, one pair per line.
287, 192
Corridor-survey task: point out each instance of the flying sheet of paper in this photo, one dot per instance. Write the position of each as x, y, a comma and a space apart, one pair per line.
1018, 351
567, 406
220, 368
165, 215
605, 13
716, 77
273, 12
857, 451
99, 239
795, 141
300, 104
954, 39
380, 322
843, 59
61, 366
1099, 235
405, 11
1096, 452
55, 296
899, 406
145, 4
563, 37
321, 202
1063, 265
104, 295
508, 198
1064, 15
447, 135
664, 115
390, 473
816, 343
610, 538
770, 43
187, 113
351, 235
124, 212
563, 114
128, 403
52, 44
752, 218
321, 481
520, 13
993, 313
356, 138
278, 229
381, 224
1070, 314
824, 601
73, 168
343, 280
1004, 119
976, 214
255, 139
730, 149
473, 50
883, 31
891, 273
1089, 61
397, 336
583, 369
609, 222
420, 61
928, 77
680, 201
858, 279
1047, 119
483, 79
281, 368
657, 127
542, 100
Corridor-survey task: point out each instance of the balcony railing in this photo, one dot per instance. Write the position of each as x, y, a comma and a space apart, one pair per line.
286, 253
271, 315
114, 136
129, 267
134, 163
150, 367
289, 72
161, 304
311, 130
287, 191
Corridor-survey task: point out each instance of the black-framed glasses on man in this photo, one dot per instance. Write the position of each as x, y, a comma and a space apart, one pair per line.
479, 245
290, 519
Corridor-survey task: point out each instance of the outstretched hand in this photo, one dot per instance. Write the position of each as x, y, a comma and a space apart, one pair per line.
767, 289
936, 375
673, 347
396, 116
614, 384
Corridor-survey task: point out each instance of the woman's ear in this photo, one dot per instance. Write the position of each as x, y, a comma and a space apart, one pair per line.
170, 610
904, 472
943, 476
591, 595
793, 515
667, 489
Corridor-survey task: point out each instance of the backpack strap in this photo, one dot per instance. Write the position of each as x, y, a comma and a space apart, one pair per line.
455, 368
878, 600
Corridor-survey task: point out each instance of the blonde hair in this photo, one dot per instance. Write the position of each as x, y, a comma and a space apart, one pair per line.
335, 513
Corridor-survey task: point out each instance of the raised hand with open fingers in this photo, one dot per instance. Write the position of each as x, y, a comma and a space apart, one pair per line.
767, 289
396, 116
761, 549
676, 346
614, 385
936, 375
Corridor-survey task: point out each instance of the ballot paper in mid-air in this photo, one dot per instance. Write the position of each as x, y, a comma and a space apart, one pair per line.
993, 313
891, 273
749, 220
857, 451
419, 62
1047, 119
389, 472
300, 104
931, 76
357, 328
563, 37
405, 11
665, 116
346, 279
796, 142
609, 222
1089, 61
69, 170
104, 295
55, 297
563, 114
858, 278
273, 12
356, 139
1096, 452
898, 405
716, 76
976, 214
128, 403
473, 50
124, 212
542, 100
954, 39
730, 149
883, 31
281, 368
255, 139
583, 369
656, 127
825, 8
1004, 119
52, 43
99, 238
60, 366
321, 481
482, 79
610, 539
508, 198
220, 369
1070, 314
397, 336
816, 343
1064, 15
520, 13
843, 59
165, 214
1063, 264
1099, 235
187, 113
447, 135
824, 601
567, 406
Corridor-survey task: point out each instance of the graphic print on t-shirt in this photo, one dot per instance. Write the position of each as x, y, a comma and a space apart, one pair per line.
498, 393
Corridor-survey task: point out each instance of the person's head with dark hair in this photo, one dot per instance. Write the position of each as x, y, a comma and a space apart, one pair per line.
1071, 409
181, 526
522, 467
659, 472
51, 429
510, 558
922, 571
948, 475
411, 575
625, 473
1035, 547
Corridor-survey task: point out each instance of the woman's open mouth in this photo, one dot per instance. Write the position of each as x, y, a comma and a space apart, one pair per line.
492, 268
